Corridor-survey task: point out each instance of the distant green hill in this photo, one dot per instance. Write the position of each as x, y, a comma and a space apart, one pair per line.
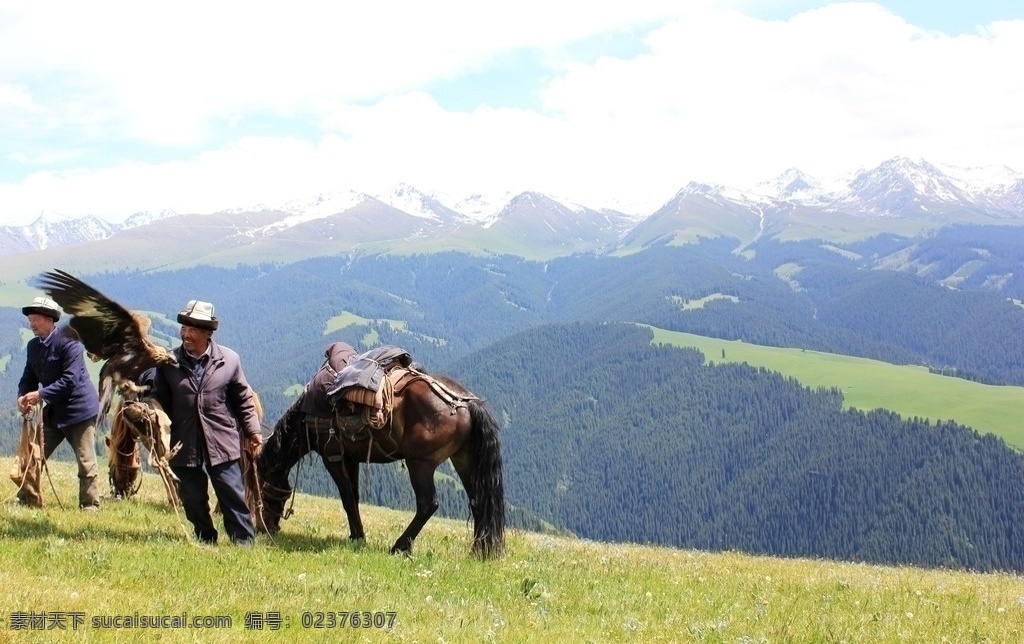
617, 438
912, 392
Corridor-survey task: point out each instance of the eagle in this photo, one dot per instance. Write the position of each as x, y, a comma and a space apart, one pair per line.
109, 332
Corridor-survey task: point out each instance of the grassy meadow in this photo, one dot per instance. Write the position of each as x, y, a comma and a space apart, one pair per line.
871, 384
133, 558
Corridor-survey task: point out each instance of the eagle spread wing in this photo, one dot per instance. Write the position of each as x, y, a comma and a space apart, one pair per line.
108, 330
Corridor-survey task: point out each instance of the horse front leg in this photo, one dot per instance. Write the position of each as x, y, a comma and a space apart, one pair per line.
421, 475
344, 469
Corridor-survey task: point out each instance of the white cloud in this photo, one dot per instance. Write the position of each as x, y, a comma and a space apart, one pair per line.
717, 96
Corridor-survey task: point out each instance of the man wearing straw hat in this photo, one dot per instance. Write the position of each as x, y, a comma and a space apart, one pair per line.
212, 412
55, 374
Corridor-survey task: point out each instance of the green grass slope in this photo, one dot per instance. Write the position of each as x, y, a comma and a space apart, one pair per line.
132, 558
871, 384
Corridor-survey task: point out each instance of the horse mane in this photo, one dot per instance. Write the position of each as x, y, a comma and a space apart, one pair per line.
258, 404
282, 432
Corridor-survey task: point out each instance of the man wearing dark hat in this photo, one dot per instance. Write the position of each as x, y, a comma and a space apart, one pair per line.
212, 414
55, 374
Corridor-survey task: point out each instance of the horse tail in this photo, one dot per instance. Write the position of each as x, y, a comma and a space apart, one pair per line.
488, 482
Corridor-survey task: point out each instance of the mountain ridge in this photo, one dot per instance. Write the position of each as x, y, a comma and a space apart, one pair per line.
898, 196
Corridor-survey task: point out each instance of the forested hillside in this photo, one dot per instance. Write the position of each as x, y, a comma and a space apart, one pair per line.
456, 313
965, 257
444, 306
619, 440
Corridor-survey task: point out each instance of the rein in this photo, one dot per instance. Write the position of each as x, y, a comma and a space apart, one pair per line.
287, 512
140, 418
123, 468
290, 510
254, 488
37, 432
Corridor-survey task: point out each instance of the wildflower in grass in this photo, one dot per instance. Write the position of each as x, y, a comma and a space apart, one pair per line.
497, 620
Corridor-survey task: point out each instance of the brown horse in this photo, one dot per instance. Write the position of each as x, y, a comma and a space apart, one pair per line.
425, 428
122, 458
138, 420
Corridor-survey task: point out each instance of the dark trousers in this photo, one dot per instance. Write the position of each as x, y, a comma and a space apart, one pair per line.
230, 490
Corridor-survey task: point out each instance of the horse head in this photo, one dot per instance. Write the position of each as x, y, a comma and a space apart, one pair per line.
281, 451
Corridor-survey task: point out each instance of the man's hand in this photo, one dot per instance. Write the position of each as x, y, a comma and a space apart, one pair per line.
131, 391
29, 400
255, 445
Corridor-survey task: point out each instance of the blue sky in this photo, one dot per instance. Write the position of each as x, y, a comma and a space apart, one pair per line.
111, 108
952, 17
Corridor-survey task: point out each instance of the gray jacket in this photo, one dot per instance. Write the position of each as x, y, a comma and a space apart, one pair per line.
219, 408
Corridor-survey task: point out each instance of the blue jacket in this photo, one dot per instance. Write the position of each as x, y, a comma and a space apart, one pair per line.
56, 367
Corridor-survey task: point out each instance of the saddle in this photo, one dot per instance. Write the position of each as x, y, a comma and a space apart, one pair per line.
368, 383
314, 401
361, 397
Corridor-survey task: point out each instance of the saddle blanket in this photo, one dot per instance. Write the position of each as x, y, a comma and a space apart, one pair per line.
362, 379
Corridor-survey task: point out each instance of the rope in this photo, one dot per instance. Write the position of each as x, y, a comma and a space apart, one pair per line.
32, 433
29, 455
141, 423
286, 514
254, 489
37, 432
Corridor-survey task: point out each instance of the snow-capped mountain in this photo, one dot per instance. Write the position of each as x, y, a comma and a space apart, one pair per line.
49, 231
920, 193
408, 199
52, 230
793, 185
901, 186
482, 208
534, 216
144, 218
300, 211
